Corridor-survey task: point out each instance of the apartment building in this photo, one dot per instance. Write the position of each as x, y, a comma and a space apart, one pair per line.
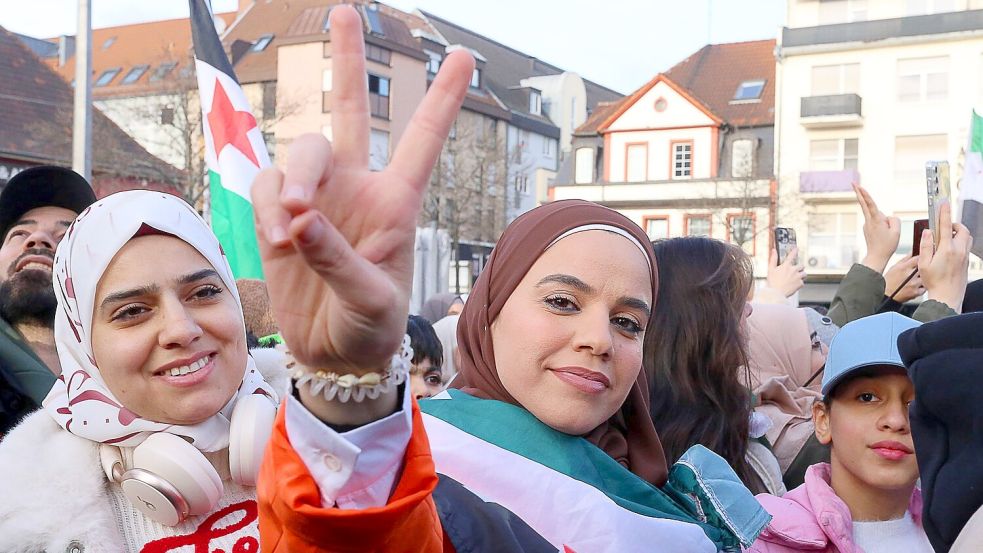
868, 91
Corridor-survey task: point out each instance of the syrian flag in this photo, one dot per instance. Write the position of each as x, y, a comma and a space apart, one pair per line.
234, 147
571, 493
971, 188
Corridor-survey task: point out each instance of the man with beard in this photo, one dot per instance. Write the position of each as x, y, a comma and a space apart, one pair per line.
36, 208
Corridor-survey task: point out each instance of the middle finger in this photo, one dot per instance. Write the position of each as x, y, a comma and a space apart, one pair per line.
349, 89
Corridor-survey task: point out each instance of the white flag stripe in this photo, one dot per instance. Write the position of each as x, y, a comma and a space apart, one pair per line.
236, 169
563, 510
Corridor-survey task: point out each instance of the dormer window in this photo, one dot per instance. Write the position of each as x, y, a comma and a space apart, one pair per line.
749, 90
535, 102
108, 42
261, 43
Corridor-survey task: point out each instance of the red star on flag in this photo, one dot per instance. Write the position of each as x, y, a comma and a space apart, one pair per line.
230, 126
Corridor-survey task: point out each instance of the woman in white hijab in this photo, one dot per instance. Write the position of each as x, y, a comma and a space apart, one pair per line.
151, 438
446, 330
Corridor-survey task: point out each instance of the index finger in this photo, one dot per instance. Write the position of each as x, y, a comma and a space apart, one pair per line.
945, 223
862, 200
424, 137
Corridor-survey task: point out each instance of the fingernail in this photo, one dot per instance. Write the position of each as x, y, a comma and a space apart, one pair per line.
278, 235
295, 193
313, 232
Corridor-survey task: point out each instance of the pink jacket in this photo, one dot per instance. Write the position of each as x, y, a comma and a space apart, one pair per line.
812, 518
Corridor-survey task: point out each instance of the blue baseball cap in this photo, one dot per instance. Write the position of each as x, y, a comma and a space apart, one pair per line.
865, 343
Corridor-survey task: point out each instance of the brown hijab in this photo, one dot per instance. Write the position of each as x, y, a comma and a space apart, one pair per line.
629, 436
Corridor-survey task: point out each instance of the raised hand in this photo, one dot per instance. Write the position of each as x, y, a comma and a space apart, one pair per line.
882, 233
897, 274
787, 277
944, 269
337, 239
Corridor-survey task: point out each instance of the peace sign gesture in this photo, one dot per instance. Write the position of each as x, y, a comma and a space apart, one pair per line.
337, 239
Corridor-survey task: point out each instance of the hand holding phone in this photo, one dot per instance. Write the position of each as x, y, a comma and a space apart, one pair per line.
785, 242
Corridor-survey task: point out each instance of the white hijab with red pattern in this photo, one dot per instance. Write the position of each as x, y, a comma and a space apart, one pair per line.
80, 401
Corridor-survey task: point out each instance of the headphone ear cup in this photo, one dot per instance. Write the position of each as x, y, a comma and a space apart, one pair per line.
249, 431
180, 464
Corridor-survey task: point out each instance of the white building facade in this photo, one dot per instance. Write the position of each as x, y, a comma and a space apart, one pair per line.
868, 92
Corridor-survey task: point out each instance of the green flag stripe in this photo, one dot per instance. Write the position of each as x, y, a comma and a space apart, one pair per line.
516, 430
232, 222
976, 139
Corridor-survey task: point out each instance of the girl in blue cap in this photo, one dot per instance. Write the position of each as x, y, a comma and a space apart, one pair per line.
865, 499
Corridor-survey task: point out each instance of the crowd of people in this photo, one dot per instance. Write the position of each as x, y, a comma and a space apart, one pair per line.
594, 391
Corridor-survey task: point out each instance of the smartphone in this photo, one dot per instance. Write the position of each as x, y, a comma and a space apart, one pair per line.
937, 181
916, 238
784, 242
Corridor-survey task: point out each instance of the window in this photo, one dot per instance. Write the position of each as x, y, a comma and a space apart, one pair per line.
108, 42
269, 100
167, 115
636, 162
749, 90
842, 11
134, 74
162, 71
378, 53
584, 166
270, 140
741, 231
107, 76
261, 43
923, 79
521, 185
549, 146
925, 7
911, 153
682, 160
379, 96
833, 155
742, 158
836, 79
433, 64
535, 102
326, 91
476, 78
832, 240
378, 149
698, 225
657, 227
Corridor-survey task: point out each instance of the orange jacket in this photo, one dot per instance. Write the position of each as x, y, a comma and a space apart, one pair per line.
292, 520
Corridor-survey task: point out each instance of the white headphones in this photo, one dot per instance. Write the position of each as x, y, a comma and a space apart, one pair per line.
169, 479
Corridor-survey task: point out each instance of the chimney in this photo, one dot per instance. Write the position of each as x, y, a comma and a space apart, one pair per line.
66, 49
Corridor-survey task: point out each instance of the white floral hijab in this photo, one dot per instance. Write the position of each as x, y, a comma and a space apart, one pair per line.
80, 401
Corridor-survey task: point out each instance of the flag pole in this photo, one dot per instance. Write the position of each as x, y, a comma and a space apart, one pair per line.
82, 119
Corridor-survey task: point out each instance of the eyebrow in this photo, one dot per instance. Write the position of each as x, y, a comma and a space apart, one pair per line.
123, 295
583, 287
65, 224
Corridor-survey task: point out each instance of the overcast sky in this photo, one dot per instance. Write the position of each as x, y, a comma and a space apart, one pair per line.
617, 43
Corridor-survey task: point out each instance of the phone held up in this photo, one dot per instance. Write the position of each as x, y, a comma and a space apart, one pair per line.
916, 239
937, 182
784, 242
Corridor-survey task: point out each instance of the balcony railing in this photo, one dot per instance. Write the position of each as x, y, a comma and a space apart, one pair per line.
820, 182
835, 110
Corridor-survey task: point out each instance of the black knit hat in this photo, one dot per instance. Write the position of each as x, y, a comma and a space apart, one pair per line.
45, 185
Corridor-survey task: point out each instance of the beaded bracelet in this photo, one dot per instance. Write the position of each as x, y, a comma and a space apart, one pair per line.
343, 387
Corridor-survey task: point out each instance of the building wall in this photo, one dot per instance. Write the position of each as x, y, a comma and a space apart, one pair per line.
679, 202
303, 74
811, 14
564, 102
890, 162
533, 162
140, 117
659, 144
